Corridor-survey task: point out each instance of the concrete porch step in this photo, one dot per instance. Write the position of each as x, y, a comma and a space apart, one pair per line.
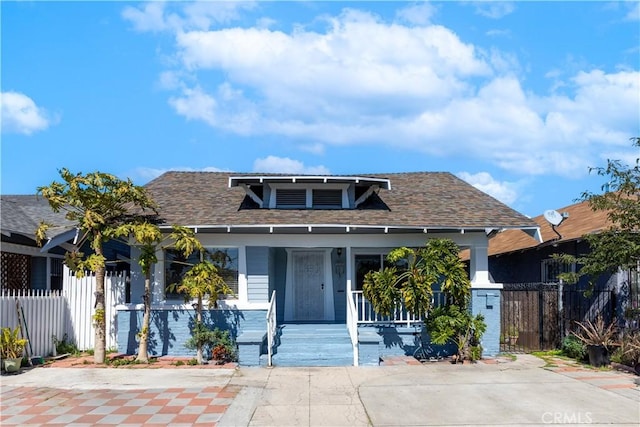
313, 345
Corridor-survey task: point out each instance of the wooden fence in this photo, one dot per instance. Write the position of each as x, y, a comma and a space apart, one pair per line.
64, 314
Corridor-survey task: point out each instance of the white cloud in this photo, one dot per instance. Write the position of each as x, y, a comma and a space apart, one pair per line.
273, 164
506, 192
634, 11
159, 16
149, 18
494, 9
20, 114
420, 88
418, 14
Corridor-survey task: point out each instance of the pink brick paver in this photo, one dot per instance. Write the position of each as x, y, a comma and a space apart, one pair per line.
23, 406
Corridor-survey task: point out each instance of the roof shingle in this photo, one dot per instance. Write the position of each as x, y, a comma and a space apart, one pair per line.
420, 199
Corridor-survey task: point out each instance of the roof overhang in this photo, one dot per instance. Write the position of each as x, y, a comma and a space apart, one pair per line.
61, 239
235, 181
327, 229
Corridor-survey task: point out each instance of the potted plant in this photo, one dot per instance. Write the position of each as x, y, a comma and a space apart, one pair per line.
11, 349
599, 339
512, 335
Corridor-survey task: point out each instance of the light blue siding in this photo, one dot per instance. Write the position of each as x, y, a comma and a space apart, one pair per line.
258, 273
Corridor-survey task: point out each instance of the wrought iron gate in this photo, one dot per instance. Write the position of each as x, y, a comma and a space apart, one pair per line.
537, 316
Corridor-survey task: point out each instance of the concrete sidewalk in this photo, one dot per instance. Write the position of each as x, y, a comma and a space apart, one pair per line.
513, 393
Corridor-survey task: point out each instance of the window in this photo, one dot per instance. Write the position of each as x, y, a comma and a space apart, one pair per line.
367, 263
176, 266
327, 199
303, 196
226, 260
56, 274
551, 268
291, 198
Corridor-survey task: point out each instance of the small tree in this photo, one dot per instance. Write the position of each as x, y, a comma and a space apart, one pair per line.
203, 281
150, 239
98, 203
437, 263
617, 247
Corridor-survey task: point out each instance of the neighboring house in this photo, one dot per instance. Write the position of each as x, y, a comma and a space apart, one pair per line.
25, 265
514, 257
308, 240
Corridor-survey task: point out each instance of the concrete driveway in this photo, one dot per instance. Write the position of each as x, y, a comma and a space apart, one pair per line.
523, 392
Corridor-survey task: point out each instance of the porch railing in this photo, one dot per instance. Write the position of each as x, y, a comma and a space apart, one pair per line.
272, 326
352, 324
367, 315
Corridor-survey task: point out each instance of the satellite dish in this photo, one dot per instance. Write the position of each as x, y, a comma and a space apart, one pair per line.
553, 217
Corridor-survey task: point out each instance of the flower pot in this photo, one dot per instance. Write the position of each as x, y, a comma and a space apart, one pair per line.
598, 355
512, 339
12, 365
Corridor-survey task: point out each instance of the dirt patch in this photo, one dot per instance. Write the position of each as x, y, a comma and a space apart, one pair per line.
122, 361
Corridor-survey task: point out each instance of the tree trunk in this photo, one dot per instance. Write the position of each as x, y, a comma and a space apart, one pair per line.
199, 355
99, 349
143, 349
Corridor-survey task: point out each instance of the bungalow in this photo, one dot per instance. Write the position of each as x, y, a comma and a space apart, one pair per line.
296, 247
26, 265
514, 257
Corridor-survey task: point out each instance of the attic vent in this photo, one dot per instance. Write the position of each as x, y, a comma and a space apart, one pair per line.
291, 198
327, 198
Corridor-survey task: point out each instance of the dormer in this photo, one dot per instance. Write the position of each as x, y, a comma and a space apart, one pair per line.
309, 192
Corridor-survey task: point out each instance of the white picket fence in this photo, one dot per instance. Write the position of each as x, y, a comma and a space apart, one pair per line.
44, 313
70, 313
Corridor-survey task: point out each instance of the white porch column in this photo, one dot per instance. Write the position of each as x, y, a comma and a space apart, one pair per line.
349, 271
479, 266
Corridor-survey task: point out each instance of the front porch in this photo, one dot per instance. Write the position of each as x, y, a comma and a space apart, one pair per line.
364, 340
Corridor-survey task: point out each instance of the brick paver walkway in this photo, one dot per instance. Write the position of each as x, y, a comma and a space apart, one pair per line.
24, 406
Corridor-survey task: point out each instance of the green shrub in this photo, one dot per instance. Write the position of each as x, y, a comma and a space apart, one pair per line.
629, 350
63, 346
217, 341
574, 348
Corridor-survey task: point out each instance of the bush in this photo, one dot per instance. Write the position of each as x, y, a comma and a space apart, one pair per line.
629, 351
218, 342
64, 346
574, 348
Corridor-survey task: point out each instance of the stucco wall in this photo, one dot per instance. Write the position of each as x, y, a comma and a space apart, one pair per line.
487, 302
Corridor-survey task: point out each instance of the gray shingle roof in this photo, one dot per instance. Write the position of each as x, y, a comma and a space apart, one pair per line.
420, 199
22, 213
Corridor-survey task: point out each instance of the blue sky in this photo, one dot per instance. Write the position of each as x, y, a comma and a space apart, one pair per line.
517, 98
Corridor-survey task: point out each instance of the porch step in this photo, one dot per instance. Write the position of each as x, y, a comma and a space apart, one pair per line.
313, 345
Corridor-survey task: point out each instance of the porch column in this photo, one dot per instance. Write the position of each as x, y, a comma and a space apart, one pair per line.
479, 264
485, 298
348, 270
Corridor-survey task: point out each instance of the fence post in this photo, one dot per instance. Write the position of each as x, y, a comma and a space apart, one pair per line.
561, 311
